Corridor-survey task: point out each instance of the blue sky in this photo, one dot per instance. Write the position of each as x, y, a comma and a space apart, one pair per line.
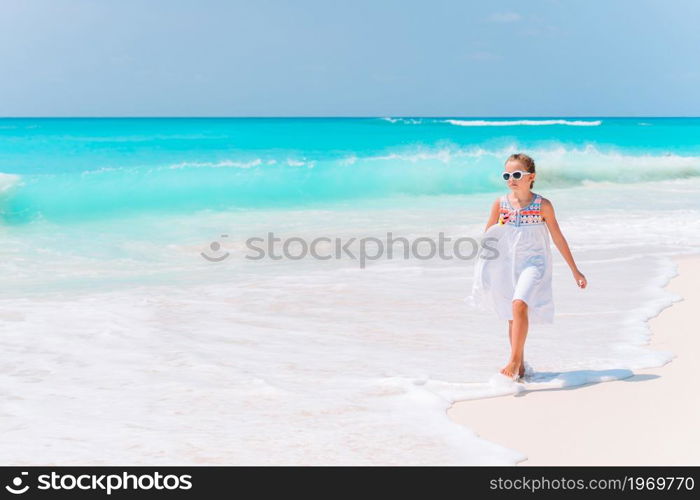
349, 58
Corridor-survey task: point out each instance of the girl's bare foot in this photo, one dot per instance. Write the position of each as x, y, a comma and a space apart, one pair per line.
512, 368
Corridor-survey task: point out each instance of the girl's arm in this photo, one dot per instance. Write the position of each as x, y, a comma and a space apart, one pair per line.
495, 212
560, 242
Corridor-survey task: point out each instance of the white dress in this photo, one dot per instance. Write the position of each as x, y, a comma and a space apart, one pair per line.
515, 262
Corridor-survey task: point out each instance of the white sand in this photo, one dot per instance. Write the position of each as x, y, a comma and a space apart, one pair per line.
651, 418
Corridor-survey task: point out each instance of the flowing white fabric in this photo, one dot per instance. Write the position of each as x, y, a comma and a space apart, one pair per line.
514, 262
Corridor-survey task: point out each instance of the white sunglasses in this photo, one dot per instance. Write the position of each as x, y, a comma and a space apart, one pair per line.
517, 175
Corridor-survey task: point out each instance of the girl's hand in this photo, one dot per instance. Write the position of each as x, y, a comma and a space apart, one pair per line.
505, 217
581, 280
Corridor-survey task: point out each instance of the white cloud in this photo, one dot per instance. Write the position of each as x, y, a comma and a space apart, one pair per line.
504, 17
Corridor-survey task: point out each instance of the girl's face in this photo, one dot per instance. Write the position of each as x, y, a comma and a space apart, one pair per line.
524, 181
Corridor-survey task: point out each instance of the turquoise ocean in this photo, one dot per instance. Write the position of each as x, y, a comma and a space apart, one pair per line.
136, 327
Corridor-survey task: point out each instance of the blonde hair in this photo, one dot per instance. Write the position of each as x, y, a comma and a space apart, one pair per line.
527, 162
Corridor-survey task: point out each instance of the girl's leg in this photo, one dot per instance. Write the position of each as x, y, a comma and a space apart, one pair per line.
510, 338
518, 333
510, 332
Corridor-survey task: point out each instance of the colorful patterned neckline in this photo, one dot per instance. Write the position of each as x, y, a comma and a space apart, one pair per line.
528, 215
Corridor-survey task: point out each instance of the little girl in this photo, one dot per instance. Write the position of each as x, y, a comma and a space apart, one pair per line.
516, 279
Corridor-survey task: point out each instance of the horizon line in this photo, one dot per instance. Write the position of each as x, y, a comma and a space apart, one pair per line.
337, 116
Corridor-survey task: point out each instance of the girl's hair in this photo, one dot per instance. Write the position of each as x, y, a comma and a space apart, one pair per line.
527, 162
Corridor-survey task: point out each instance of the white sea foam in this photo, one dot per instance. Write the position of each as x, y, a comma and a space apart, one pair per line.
408, 121
8, 181
218, 164
510, 123
557, 164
